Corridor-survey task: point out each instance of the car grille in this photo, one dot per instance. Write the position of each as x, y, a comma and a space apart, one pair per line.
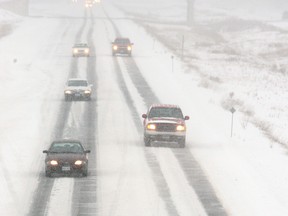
78, 91
166, 127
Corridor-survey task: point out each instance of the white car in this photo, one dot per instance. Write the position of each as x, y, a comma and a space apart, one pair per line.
81, 49
89, 3
77, 88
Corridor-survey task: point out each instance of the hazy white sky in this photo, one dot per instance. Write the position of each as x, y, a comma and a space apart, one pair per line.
249, 3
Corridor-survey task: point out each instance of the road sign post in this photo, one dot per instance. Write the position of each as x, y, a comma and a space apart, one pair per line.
232, 110
172, 61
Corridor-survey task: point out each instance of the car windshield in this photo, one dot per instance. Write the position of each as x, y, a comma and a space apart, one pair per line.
64, 147
165, 112
122, 41
77, 83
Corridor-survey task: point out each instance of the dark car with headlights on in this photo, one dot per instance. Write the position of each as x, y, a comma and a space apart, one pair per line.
164, 123
77, 88
66, 157
81, 49
122, 45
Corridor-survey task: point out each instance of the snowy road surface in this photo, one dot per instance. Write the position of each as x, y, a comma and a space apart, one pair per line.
215, 174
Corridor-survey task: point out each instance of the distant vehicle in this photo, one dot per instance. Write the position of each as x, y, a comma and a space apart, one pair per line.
122, 46
77, 88
164, 123
66, 157
89, 3
81, 49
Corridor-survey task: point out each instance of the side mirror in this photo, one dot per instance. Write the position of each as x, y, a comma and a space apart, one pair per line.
45, 151
87, 151
186, 118
144, 116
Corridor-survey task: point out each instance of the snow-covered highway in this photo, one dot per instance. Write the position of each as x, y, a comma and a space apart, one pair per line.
215, 174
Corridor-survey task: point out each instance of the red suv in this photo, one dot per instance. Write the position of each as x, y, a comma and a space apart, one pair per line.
164, 123
122, 46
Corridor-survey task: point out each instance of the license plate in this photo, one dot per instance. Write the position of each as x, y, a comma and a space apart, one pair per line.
77, 95
65, 168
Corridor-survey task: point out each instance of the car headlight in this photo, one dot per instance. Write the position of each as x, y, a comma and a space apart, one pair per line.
86, 51
78, 162
180, 128
68, 92
129, 48
115, 47
87, 91
151, 127
75, 50
53, 162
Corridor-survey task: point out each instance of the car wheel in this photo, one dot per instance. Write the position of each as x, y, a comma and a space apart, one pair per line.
85, 173
48, 174
147, 141
182, 143
68, 98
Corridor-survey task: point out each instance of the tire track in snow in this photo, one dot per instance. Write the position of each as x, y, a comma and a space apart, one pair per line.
45, 186
85, 189
194, 173
152, 161
158, 177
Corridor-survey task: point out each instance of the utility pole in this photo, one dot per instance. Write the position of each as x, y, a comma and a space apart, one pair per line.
190, 12
232, 110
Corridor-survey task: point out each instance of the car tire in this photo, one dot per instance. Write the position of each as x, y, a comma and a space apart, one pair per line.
68, 98
182, 143
85, 173
147, 141
48, 174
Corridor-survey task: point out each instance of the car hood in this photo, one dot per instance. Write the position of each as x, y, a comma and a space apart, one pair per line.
66, 157
166, 120
75, 88
122, 45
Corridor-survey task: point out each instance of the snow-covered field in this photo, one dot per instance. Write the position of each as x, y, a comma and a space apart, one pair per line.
231, 53
228, 61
